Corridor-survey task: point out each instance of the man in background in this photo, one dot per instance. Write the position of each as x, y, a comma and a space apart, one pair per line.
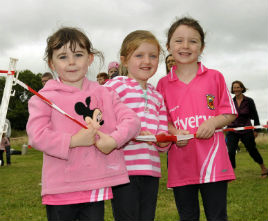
45, 77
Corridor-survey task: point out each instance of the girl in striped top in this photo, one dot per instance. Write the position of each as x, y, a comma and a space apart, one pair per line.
140, 55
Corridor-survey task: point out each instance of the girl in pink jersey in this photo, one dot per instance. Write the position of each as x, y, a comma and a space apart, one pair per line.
140, 55
197, 101
79, 165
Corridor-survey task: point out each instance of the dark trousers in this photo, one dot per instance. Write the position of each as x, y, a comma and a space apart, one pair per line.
214, 196
8, 155
74, 212
1, 158
248, 140
136, 200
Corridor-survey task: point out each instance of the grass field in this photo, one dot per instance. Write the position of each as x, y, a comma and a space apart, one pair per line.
20, 198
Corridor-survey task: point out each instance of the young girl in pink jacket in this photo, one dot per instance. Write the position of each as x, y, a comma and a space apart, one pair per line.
79, 165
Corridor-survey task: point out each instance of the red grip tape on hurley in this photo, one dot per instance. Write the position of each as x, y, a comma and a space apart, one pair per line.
165, 138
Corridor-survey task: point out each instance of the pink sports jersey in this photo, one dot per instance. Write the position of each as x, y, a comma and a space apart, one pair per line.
140, 157
78, 197
188, 105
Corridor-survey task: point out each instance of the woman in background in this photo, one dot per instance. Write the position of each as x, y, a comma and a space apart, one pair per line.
246, 109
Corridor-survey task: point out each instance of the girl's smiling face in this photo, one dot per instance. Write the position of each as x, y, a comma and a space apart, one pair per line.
71, 66
185, 45
143, 62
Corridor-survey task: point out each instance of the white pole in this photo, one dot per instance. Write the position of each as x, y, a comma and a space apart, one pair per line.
6, 96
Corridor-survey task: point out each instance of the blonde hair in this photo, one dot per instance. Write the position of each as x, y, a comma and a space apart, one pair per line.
134, 39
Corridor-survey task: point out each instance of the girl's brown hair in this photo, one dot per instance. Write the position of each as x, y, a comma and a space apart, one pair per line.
65, 35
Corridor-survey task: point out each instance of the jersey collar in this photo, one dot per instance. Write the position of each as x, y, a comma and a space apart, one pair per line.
173, 77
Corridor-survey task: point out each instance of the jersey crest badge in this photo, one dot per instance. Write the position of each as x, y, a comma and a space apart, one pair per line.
210, 101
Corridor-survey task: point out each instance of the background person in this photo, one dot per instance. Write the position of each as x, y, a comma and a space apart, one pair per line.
113, 69
7, 147
45, 77
246, 109
102, 78
170, 62
4, 144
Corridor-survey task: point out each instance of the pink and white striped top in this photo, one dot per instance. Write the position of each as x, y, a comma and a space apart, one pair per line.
78, 197
140, 157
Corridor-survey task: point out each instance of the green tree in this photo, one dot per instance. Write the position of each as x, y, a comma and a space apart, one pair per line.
18, 105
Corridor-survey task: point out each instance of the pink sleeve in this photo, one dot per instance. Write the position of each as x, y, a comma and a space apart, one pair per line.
128, 122
40, 133
117, 86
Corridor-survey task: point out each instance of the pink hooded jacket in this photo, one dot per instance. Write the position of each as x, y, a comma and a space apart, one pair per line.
81, 168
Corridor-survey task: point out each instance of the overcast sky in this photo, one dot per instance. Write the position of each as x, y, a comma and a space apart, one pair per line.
236, 33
